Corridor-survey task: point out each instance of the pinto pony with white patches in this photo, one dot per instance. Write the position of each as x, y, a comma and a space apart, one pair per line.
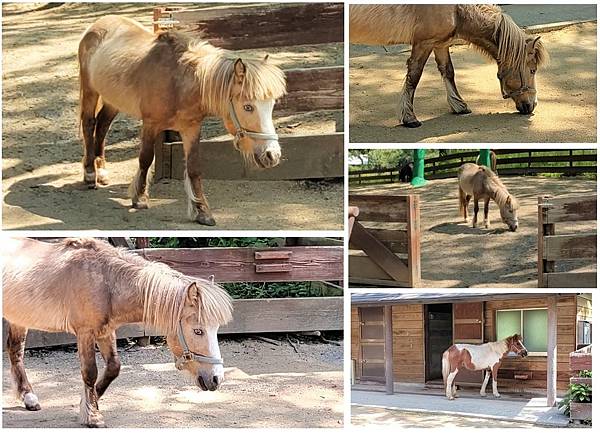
172, 83
478, 357
479, 182
435, 28
88, 288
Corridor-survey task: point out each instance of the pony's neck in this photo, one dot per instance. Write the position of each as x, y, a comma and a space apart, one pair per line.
478, 28
500, 347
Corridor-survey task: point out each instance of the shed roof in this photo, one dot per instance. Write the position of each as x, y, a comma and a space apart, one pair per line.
391, 297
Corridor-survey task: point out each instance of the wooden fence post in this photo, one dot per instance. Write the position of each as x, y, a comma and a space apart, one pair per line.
413, 232
551, 352
389, 351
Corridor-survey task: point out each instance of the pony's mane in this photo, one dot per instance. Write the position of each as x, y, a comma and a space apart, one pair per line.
214, 72
510, 38
503, 194
162, 289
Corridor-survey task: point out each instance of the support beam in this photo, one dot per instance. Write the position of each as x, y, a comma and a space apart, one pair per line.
552, 354
389, 352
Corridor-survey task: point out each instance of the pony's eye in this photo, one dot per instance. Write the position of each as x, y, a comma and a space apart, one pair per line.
249, 108
533, 71
198, 332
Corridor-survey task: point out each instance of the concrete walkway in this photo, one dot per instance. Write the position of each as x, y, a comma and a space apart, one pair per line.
535, 15
533, 411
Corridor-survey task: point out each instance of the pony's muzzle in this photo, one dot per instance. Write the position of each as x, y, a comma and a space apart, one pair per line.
268, 156
209, 382
526, 107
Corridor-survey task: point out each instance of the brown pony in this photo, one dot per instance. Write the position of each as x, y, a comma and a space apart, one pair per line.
480, 182
435, 28
88, 288
478, 357
172, 83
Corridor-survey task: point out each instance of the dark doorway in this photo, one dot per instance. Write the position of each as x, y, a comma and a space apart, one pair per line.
438, 337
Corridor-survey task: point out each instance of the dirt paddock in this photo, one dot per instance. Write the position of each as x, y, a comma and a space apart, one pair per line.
265, 386
42, 174
566, 111
453, 254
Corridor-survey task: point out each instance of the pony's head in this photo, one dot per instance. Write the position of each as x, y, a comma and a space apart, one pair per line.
249, 118
514, 344
519, 58
194, 343
508, 213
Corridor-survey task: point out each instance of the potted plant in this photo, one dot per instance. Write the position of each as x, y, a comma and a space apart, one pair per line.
577, 404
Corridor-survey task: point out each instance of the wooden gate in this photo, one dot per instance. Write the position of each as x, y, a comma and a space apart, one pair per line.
385, 246
467, 324
566, 246
371, 358
252, 26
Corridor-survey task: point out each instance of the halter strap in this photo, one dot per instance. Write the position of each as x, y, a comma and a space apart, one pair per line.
240, 131
188, 355
523, 89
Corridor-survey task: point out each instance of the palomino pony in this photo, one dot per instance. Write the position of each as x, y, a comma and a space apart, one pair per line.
480, 182
435, 28
88, 288
172, 83
478, 357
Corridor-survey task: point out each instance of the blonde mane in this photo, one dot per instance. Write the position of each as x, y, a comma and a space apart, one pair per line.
501, 194
214, 72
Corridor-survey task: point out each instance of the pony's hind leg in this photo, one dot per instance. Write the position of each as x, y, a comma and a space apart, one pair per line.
198, 209
486, 210
418, 57
103, 121
485, 382
139, 185
444, 64
15, 345
88, 409
475, 210
450, 386
108, 350
89, 100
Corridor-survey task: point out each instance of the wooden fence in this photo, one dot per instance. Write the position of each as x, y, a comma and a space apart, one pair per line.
510, 162
309, 89
304, 263
385, 246
556, 243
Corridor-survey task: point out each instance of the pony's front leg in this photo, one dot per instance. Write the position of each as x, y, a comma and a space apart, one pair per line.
486, 210
15, 345
138, 189
198, 209
485, 382
108, 350
444, 64
89, 413
418, 57
475, 210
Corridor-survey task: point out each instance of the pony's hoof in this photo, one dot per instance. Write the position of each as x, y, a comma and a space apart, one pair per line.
483, 395
31, 402
466, 110
141, 203
412, 124
100, 424
498, 396
102, 177
205, 219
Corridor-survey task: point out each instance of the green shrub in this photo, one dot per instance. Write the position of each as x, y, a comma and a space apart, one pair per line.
578, 393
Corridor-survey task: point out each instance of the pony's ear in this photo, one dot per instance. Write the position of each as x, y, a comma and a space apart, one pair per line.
239, 69
509, 200
193, 295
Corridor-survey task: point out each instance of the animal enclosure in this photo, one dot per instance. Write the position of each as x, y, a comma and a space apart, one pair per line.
309, 89
558, 243
385, 246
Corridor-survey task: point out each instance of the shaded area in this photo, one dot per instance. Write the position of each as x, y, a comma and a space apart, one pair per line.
453, 254
42, 174
566, 111
265, 386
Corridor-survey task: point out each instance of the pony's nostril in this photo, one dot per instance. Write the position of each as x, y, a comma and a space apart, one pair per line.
270, 156
216, 380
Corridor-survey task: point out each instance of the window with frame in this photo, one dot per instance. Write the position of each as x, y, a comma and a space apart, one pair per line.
584, 333
531, 324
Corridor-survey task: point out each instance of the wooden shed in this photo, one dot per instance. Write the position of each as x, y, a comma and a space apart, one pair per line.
400, 337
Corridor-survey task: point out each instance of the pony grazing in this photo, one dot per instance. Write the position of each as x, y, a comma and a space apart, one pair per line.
435, 28
88, 288
172, 83
478, 357
480, 182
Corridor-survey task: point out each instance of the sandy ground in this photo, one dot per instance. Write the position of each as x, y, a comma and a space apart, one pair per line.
453, 254
372, 417
42, 174
265, 386
566, 111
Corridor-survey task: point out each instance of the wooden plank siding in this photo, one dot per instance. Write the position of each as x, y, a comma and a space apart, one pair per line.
536, 365
409, 343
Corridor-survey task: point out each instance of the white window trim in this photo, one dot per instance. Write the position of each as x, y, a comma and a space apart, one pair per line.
521, 333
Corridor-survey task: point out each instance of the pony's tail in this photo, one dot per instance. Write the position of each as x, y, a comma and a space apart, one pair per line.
445, 368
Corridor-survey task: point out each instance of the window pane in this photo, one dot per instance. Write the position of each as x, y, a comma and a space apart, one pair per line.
535, 330
507, 323
372, 332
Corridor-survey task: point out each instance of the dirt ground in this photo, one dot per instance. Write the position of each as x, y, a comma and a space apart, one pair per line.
265, 386
42, 174
372, 417
566, 110
453, 254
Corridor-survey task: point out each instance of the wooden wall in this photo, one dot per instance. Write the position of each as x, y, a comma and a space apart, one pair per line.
536, 365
